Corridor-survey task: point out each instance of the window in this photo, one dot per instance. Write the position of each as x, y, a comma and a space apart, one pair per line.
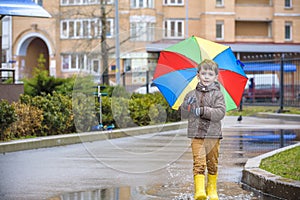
82, 2
38, 2
78, 28
109, 27
4, 57
288, 3
64, 30
73, 62
84, 62
174, 2
220, 30
288, 31
85, 28
219, 3
69, 62
142, 31
95, 66
142, 27
71, 29
142, 3
66, 62
127, 65
174, 29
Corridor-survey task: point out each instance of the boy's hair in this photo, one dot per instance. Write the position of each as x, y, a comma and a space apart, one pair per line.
208, 64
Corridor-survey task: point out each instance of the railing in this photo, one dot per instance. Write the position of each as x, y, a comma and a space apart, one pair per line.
276, 82
273, 82
6, 74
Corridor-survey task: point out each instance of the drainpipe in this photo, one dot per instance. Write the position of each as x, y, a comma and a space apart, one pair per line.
187, 18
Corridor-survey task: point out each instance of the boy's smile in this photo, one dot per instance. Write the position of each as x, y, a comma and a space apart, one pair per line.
207, 76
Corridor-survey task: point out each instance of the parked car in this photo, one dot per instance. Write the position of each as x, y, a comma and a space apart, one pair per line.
143, 90
262, 87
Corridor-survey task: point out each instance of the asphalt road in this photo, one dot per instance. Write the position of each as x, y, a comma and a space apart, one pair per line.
154, 166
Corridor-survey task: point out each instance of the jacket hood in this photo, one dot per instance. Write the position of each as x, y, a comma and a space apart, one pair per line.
203, 88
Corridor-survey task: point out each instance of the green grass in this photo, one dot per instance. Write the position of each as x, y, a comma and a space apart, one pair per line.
285, 164
252, 110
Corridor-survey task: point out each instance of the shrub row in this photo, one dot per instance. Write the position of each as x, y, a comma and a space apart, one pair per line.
55, 113
52, 106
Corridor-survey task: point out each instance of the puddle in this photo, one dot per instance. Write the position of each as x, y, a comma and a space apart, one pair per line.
123, 193
261, 141
236, 148
128, 193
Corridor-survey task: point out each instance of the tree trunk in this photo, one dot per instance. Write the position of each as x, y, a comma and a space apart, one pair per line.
104, 51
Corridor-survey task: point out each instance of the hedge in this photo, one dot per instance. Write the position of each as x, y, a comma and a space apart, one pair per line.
54, 114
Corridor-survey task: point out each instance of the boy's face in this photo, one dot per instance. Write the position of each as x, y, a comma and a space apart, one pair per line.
207, 76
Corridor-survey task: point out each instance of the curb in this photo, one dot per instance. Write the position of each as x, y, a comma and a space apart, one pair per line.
75, 138
267, 183
290, 117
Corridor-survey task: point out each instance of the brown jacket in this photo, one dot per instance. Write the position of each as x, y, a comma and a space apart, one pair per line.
211, 101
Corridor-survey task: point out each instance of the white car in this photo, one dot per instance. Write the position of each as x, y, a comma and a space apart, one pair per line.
143, 90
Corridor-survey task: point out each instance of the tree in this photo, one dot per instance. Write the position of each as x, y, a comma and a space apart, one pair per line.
104, 48
87, 43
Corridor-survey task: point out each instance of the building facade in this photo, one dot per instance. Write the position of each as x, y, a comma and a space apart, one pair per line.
72, 42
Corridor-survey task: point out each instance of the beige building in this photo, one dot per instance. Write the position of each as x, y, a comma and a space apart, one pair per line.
70, 42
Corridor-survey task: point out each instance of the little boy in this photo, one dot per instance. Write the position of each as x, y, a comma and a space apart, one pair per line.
205, 106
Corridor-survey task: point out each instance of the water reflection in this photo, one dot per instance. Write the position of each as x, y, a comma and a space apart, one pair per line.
122, 193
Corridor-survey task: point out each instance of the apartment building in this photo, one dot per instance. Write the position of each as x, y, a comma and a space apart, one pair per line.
71, 42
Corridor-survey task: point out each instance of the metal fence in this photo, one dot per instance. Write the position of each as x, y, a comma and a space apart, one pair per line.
273, 82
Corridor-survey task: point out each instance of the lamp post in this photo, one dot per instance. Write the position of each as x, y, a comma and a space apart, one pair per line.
117, 42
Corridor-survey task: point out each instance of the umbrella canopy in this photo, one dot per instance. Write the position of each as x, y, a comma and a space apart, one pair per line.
175, 73
26, 8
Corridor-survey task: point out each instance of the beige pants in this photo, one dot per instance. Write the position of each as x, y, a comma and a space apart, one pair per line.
205, 154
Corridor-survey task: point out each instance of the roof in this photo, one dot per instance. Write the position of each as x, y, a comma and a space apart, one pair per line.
261, 48
237, 47
26, 8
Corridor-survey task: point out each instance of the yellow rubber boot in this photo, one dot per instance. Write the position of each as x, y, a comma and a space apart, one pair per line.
212, 187
199, 181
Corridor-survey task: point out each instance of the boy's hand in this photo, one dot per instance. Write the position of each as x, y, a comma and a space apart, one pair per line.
189, 102
196, 111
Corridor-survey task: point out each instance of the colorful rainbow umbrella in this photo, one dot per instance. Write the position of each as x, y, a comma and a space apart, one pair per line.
175, 73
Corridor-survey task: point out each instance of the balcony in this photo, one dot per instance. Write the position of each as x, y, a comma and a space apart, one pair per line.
254, 12
253, 31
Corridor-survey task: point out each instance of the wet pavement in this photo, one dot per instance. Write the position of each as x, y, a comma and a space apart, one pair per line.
154, 166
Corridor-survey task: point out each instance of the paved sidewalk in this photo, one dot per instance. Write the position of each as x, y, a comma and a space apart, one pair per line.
145, 166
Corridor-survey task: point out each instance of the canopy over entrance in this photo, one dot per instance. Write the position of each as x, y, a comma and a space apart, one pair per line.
26, 8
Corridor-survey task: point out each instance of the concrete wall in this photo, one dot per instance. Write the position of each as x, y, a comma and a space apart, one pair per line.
11, 92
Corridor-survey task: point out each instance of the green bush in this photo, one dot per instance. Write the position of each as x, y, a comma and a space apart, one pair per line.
29, 121
62, 113
66, 88
57, 112
155, 107
41, 83
142, 110
84, 111
7, 117
107, 117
